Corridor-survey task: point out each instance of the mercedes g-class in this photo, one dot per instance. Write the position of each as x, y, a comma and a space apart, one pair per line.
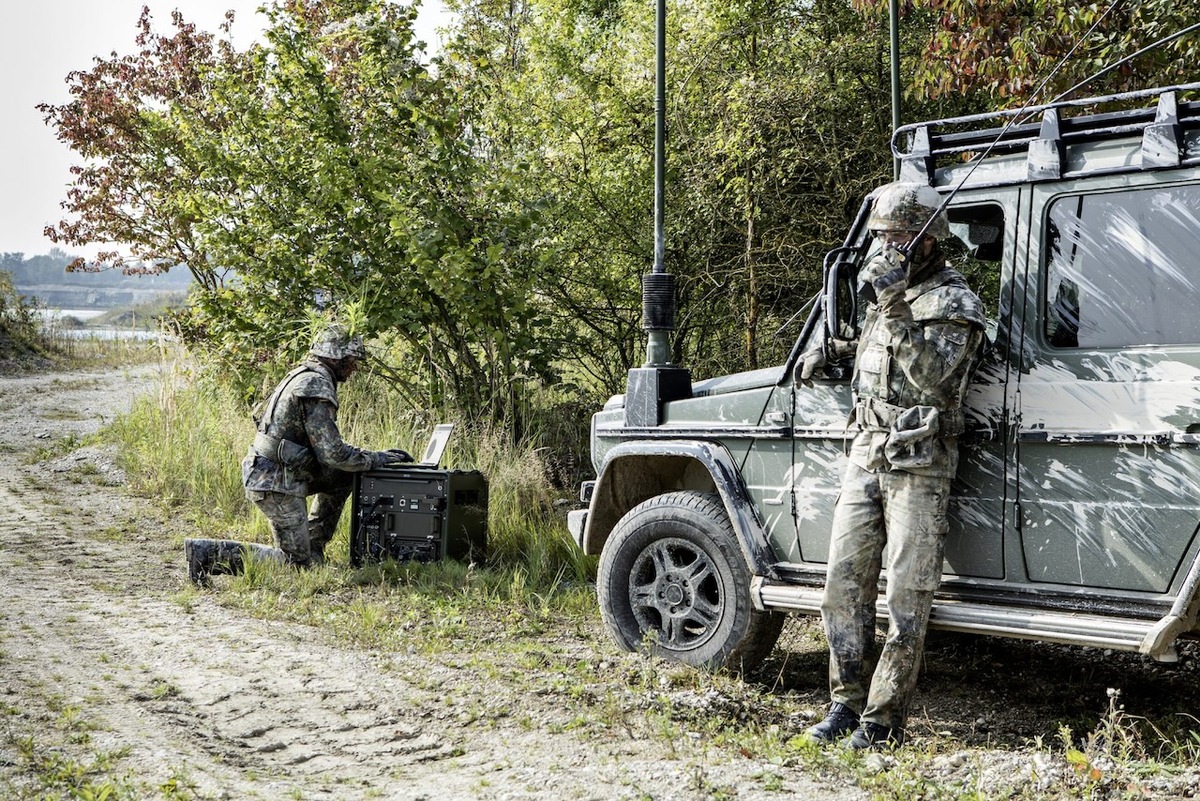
1077, 500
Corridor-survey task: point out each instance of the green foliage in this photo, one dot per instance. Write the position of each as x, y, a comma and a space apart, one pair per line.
767, 162
484, 219
21, 340
326, 161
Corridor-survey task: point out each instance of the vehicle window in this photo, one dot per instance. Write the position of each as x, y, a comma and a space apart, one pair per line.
1119, 269
977, 248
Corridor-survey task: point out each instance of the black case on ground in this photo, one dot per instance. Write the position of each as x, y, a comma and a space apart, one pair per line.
407, 512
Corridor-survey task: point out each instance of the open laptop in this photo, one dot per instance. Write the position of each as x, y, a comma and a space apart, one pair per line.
436, 447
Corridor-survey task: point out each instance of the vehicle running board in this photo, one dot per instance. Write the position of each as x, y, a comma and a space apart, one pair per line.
1097, 631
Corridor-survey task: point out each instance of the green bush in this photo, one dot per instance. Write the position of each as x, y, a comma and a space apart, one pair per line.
22, 345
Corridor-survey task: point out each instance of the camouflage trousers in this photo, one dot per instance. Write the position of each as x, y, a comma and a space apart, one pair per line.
907, 513
302, 532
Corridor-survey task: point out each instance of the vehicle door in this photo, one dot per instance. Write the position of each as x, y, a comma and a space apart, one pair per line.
1108, 401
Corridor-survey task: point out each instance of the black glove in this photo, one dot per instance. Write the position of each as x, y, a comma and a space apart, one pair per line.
391, 456
397, 456
885, 278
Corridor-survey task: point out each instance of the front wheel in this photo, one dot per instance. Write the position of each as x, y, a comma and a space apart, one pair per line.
672, 578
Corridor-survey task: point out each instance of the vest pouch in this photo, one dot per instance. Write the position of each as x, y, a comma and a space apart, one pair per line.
910, 440
293, 455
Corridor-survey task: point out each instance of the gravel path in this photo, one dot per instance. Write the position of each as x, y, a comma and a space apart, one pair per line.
112, 670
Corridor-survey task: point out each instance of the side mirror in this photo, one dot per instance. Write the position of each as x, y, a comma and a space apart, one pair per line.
841, 299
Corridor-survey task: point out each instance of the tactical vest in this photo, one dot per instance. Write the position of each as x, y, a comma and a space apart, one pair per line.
281, 435
881, 387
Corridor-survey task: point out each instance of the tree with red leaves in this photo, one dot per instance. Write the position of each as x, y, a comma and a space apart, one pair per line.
138, 121
326, 162
1003, 50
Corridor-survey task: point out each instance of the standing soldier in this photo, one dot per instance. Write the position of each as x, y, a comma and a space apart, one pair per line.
914, 359
298, 451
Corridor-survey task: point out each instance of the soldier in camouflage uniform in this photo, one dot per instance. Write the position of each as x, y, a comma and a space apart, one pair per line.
913, 362
298, 451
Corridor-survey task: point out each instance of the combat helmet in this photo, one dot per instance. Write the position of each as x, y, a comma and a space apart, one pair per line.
904, 206
337, 343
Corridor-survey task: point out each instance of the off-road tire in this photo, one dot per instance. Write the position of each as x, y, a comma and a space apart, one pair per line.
675, 559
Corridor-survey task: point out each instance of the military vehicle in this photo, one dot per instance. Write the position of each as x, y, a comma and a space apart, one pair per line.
1075, 508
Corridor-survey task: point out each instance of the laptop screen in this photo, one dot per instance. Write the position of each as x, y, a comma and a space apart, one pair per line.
437, 445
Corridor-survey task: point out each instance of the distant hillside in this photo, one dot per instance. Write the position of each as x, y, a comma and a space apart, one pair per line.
46, 278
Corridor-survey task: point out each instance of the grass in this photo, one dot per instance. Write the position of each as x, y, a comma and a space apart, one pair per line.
526, 617
60, 760
184, 448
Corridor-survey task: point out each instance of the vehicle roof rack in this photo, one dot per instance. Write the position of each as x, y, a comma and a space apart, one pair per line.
1045, 142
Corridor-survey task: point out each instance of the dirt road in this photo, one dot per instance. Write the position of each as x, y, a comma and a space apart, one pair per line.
116, 676
113, 673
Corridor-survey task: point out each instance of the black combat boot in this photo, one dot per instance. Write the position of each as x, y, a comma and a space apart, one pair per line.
840, 721
212, 557
876, 737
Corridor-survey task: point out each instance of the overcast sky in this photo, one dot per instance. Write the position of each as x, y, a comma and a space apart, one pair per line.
40, 42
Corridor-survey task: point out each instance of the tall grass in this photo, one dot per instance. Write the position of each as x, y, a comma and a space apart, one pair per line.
184, 446
89, 352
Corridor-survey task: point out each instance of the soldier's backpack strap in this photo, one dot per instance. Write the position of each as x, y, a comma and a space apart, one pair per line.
273, 401
281, 450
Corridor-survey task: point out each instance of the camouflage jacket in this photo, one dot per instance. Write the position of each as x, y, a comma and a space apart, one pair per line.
916, 351
298, 434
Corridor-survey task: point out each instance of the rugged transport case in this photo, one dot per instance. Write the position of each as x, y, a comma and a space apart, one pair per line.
408, 512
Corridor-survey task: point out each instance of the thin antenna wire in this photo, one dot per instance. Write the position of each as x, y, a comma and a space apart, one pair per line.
979, 159
1127, 59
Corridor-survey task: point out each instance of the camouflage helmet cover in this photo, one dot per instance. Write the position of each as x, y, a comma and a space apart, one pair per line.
903, 206
337, 343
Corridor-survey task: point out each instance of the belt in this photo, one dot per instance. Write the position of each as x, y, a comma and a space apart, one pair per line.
873, 414
268, 446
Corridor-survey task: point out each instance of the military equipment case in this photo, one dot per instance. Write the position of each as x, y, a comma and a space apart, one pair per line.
418, 513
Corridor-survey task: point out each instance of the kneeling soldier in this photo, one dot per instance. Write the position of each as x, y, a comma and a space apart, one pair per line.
298, 451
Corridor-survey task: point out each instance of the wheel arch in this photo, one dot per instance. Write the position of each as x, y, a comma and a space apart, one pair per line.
634, 472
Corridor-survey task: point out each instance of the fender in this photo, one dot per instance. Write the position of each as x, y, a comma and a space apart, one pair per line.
633, 472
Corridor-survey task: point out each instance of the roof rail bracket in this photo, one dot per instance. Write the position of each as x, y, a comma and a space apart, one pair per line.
1044, 160
1162, 140
918, 164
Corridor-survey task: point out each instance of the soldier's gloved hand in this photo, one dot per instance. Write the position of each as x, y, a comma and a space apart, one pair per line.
398, 456
383, 458
810, 362
885, 278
